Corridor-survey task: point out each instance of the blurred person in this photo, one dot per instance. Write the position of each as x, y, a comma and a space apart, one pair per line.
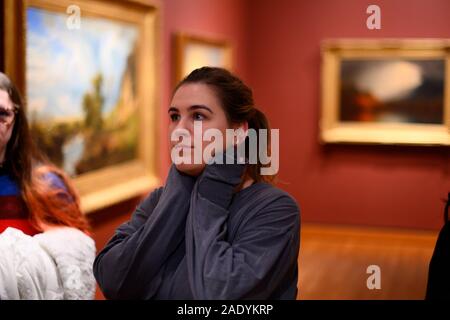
46, 250
438, 286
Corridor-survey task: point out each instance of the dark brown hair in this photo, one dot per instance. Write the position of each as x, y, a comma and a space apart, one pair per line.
30, 169
237, 101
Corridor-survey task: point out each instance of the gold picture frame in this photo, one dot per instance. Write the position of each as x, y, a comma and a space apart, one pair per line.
388, 91
119, 145
192, 52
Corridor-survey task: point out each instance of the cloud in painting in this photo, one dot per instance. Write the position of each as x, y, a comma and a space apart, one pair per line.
61, 63
390, 80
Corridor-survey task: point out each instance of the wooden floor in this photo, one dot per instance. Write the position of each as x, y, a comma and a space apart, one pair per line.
333, 262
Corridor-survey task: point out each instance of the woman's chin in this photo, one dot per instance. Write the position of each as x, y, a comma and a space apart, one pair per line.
190, 169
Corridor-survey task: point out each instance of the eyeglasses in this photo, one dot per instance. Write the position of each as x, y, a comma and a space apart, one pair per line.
7, 115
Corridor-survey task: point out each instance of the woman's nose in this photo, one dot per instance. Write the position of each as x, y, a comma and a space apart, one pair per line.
184, 124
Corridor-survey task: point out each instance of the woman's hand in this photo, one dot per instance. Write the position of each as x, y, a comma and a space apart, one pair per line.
218, 180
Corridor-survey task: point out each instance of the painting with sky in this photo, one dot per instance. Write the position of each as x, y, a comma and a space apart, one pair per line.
81, 90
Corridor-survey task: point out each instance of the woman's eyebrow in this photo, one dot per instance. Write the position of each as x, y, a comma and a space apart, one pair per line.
200, 106
191, 108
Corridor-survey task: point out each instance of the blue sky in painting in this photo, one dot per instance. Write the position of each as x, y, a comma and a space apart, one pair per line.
61, 62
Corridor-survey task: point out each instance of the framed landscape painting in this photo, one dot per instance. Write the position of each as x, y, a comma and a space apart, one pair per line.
88, 72
386, 91
193, 52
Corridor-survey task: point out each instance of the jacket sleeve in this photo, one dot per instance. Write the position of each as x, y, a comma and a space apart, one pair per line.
131, 264
263, 251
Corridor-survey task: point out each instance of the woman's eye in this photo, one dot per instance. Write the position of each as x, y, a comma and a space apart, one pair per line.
174, 117
199, 116
6, 112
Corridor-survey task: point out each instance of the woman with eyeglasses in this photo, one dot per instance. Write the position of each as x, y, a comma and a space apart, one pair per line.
45, 249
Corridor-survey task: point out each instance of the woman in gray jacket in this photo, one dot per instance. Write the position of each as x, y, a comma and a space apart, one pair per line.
218, 229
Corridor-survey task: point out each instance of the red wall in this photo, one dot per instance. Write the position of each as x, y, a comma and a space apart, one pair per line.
367, 185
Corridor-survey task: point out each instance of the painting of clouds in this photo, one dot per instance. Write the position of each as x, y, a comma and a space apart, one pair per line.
81, 90
392, 90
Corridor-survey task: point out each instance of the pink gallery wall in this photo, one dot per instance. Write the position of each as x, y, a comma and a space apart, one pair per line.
390, 186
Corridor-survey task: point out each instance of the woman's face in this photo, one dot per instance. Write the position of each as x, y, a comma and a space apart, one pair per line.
6, 120
195, 103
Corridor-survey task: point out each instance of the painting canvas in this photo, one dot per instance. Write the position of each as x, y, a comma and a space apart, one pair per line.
90, 91
393, 91
81, 90
194, 52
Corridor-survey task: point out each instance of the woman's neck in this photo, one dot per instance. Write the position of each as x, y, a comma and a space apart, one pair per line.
247, 183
